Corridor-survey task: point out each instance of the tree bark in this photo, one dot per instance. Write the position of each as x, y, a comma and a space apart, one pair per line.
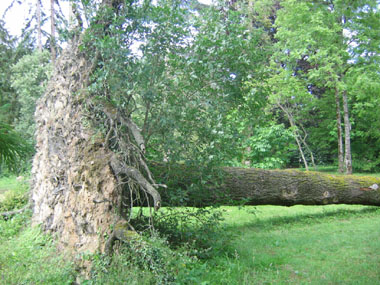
74, 190
295, 133
79, 183
292, 187
339, 131
274, 187
347, 135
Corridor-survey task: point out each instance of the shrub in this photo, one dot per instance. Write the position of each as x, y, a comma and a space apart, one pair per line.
15, 198
141, 261
198, 229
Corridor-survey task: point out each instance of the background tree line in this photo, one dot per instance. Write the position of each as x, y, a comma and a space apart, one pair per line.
268, 84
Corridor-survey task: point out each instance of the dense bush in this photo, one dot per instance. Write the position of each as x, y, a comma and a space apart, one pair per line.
140, 261
15, 198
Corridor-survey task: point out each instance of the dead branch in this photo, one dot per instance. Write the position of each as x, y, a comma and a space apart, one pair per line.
7, 215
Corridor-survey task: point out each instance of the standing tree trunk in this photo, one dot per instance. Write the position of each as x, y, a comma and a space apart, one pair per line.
303, 139
39, 31
52, 36
295, 133
339, 131
347, 135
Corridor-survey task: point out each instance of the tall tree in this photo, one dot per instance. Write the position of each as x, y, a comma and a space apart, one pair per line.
8, 102
52, 32
39, 29
289, 94
318, 32
11, 50
29, 78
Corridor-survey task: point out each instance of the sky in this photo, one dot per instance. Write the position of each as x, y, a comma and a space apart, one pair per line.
16, 17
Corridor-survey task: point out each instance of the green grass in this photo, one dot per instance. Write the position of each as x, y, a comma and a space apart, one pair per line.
334, 170
13, 193
333, 244
29, 257
8, 183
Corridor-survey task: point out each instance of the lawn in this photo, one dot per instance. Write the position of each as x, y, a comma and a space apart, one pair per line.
333, 244
8, 183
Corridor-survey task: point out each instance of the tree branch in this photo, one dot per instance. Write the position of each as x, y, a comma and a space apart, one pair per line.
7, 215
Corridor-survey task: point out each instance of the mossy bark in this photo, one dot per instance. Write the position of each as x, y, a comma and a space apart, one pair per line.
276, 187
292, 187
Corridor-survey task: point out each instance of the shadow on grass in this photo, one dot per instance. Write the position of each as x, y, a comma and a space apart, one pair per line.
307, 218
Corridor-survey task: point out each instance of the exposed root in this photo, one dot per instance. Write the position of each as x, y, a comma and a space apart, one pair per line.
121, 168
124, 138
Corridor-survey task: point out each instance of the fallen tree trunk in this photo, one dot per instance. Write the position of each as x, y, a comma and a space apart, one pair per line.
292, 187
275, 187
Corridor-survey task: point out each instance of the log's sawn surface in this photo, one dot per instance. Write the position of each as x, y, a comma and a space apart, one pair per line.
293, 187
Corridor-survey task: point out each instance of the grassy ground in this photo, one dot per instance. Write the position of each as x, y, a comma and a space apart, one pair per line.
334, 244
8, 183
334, 170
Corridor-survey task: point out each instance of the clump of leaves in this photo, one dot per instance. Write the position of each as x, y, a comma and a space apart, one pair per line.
142, 260
14, 199
12, 147
9, 228
186, 221
199, 229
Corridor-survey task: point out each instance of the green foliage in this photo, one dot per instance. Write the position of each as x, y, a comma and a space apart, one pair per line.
13, 200
29, 79
365, 85
8, 102
206, 78
11, 50
13, 196
321, 50
10, 228
198, 228
141, 261
195, 127
13, 148
30, 257
271, 147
